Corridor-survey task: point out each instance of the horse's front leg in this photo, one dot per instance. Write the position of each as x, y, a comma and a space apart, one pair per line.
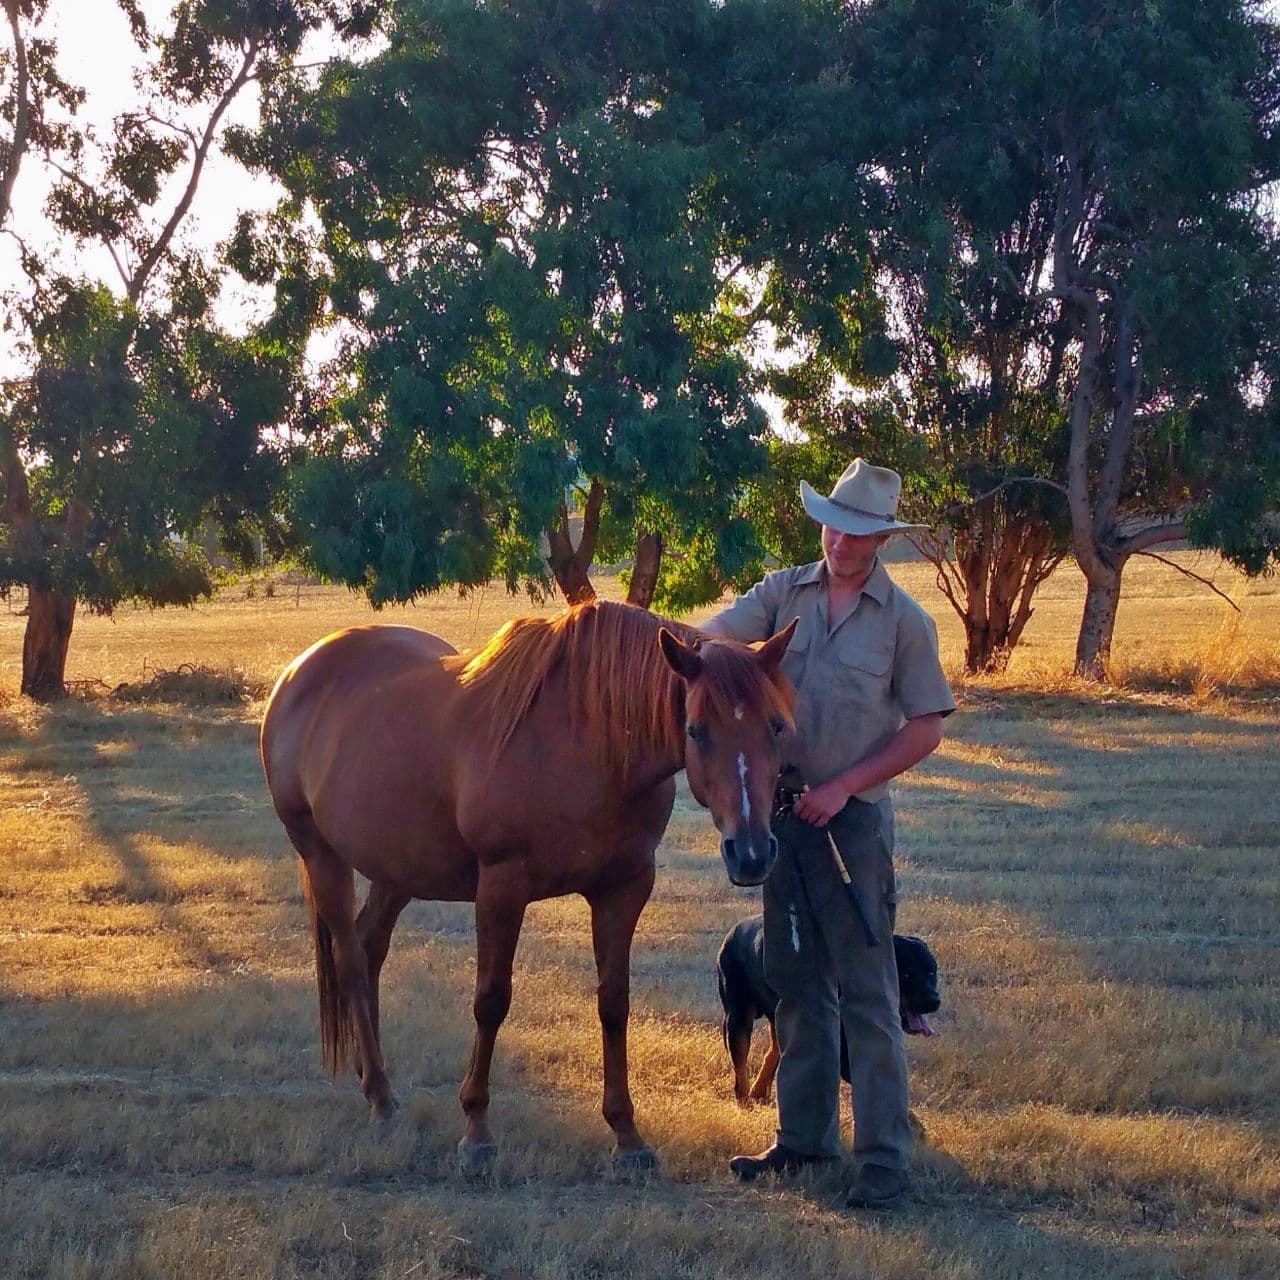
614, 914
501, 897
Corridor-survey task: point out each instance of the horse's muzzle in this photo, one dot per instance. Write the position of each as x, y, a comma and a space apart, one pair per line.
748, 860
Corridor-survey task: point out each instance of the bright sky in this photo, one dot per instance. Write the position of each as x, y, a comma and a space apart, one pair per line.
96, 51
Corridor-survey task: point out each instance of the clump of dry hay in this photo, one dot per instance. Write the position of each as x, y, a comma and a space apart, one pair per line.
192, 684
1237, 661
1231, 661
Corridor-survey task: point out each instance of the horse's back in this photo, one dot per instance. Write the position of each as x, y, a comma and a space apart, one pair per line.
326, 701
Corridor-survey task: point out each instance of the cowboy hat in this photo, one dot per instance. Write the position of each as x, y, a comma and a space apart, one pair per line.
864, 500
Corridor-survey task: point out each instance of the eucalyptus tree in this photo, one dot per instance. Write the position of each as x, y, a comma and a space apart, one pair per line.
876, 276
1059, 210
136, 415
1166, 264
532, 365
1095, 173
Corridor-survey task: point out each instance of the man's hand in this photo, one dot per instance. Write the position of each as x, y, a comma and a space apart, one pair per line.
818, 805
915, 740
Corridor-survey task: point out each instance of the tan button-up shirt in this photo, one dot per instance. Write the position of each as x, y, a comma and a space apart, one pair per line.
858, 677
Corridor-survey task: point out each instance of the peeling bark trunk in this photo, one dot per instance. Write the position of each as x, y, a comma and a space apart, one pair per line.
1097, 626
997, 569
993, 631
648, 564
44, 647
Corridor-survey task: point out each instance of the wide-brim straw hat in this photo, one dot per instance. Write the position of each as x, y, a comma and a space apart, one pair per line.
864, 500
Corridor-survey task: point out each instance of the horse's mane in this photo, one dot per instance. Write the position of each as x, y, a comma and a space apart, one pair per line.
621, 693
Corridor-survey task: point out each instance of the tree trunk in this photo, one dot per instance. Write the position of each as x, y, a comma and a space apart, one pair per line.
572, 565
983, 651
997, 569
644, 576
44, 647
573, 580
1102, 599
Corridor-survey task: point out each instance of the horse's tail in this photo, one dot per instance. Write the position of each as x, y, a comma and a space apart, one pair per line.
337, 1037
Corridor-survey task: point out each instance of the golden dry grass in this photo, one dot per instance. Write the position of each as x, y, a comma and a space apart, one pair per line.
1096, 872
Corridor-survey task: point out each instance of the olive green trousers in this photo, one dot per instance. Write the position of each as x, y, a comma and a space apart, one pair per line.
818, 962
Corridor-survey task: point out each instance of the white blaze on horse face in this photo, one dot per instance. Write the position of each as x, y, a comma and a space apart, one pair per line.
742, 779
737, 713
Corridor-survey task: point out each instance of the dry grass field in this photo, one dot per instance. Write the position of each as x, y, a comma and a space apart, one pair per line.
1096, 871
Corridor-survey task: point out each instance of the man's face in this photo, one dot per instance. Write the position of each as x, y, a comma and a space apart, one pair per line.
850, 556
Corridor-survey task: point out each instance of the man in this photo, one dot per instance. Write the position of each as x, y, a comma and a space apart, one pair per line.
871, 698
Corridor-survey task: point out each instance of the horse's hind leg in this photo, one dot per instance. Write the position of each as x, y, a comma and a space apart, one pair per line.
374, 926
342, 971
501, 898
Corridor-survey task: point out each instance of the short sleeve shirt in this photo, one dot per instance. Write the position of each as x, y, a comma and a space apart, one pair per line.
857, 682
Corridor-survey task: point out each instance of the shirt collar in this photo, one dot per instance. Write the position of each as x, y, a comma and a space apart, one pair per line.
878, 585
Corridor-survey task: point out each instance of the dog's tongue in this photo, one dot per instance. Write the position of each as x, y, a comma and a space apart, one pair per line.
918, 1025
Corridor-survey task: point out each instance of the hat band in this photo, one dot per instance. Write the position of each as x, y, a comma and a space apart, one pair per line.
862, 511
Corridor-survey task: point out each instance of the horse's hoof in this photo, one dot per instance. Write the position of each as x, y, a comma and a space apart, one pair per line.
476, 1158
637, 1165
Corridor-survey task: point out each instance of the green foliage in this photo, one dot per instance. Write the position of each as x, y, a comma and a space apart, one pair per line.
512, 233
1148, 132
1021, 164
144, 424
138, 418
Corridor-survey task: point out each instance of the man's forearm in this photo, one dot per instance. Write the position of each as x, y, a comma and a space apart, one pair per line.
915, 740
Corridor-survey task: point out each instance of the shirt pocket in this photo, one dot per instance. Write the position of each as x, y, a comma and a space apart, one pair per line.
873, 662
865, 672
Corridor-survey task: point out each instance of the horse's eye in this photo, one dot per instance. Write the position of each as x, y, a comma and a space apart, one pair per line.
697, 732
777, 724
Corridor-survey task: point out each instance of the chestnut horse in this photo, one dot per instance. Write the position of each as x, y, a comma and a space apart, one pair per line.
543, 765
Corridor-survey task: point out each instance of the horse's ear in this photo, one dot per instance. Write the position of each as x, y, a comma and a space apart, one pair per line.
769, 654
682, 658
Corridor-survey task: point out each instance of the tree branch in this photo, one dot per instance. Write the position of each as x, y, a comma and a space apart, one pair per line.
1004, 484
1127, 383
74, 177
22, 118
1151, 537
185, 130
1081, 422
273, 70
24, 253
161, 243
1173, 564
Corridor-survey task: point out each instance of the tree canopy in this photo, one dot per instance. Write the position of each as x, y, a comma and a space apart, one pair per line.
138, 415
1079, 266
512, 233
543, 258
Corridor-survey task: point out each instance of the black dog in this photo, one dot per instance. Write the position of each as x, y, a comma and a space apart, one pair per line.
746, 996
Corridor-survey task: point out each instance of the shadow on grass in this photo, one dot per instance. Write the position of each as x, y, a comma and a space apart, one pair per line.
177, 803
218, 1084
